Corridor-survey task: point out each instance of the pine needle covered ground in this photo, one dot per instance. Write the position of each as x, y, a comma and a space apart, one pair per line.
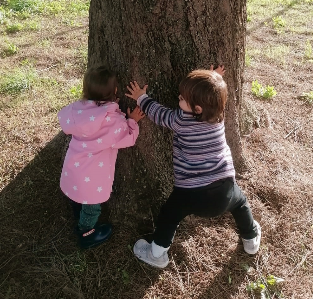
43, 47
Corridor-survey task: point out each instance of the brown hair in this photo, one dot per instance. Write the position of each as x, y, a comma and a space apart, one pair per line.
208, 90
99, 85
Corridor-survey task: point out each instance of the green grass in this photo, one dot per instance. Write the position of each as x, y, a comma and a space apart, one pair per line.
279, 11
267, 92
248, 60
16, 81
81, 55
76, 91
267, 287
279, 24
13, 28
260, 9
275, 53
307, 97
32, 26
2, 15
25, 8
9, 49
45, 43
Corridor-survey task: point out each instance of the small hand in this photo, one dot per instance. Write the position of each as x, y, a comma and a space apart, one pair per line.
135, 90
220, 69
136, 115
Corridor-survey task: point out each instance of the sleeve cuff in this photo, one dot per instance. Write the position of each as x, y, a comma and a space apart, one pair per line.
141, 98
132, 123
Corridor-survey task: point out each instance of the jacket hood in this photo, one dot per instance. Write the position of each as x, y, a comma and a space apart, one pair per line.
84, 118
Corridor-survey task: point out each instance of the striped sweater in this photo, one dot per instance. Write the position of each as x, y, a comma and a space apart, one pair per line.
200, 152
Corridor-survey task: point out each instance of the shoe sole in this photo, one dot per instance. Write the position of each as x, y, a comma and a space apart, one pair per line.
151, 264
97, 244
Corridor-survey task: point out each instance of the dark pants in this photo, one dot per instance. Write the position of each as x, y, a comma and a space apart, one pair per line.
86, 214
210, 201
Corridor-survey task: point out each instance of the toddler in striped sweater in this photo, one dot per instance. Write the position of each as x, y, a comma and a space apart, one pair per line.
204, 174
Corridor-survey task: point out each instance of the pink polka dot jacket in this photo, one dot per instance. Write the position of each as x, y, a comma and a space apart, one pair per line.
97, 134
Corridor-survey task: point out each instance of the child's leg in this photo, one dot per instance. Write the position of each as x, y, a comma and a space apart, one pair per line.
89, 215
225, 195
240, 209
175, 209
90, 234
172, 212
76, 208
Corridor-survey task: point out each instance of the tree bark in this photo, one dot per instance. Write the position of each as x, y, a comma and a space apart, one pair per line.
159, 43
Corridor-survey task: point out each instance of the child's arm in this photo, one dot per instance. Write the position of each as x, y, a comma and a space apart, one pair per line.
65, 119
126, 135
157, 113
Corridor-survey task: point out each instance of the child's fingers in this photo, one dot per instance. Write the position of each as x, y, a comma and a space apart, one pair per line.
136, 84
129, 89
145, 88
136, 110
128, 95
132, 85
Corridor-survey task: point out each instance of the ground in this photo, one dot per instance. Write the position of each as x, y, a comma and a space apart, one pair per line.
43, 57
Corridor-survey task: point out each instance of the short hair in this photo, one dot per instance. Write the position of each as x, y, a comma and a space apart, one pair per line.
208, 90
99, 84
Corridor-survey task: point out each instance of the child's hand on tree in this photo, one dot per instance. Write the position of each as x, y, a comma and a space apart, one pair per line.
220, 69
135, 90
136, 115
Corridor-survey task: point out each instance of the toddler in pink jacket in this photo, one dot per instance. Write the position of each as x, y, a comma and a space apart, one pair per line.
98, 130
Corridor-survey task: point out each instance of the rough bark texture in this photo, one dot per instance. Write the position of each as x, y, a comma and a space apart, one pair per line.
158, 43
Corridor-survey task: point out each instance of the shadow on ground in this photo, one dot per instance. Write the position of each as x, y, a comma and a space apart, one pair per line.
40, 258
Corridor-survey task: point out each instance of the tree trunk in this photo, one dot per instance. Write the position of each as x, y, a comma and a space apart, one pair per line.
158, 43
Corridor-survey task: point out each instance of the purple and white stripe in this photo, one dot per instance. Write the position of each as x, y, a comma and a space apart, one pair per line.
201, 155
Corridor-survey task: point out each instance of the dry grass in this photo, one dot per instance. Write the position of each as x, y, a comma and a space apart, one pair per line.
39, 256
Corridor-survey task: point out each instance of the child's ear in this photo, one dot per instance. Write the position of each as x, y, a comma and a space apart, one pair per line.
198, 109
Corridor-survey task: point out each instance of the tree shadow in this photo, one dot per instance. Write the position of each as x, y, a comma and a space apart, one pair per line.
229, 262
226, 283
228, 279
39, 253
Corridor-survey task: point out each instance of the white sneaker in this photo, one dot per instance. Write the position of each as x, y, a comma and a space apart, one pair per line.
252, 246
143, 250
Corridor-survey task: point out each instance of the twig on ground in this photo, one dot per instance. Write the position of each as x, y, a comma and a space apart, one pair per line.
48, 68
179, 277
292, 131
301, 262
152, 219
